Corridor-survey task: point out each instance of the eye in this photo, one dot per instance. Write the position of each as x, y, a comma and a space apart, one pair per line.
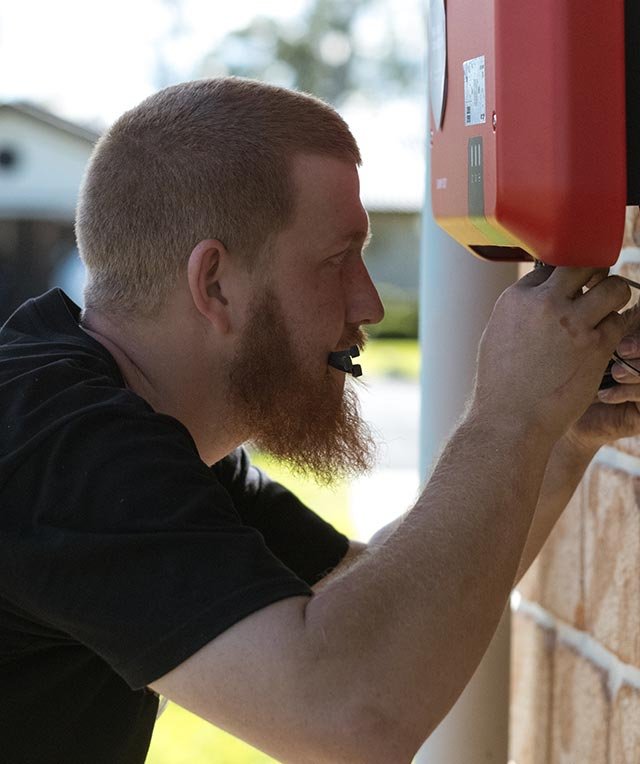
339, 258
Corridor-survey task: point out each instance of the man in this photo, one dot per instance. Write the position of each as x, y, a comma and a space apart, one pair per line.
140, 553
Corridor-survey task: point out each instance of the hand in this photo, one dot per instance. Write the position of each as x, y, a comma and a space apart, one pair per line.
603, 423
616, 412
546, 347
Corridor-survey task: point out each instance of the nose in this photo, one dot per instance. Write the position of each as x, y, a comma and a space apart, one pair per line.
364, 305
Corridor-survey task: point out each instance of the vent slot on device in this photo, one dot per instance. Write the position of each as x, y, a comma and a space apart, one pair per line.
492, 252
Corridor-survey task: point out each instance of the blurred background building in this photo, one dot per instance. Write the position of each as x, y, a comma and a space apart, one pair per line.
42, 158
358, 55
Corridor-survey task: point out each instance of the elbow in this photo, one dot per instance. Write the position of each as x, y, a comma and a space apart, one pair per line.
381, 739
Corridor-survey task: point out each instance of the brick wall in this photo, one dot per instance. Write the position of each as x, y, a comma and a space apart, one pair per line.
575, 662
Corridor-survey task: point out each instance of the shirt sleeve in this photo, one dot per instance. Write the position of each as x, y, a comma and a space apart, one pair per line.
305, 542
126, 542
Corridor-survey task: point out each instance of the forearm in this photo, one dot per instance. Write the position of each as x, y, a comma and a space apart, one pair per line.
564, 472
407, 624
366, 668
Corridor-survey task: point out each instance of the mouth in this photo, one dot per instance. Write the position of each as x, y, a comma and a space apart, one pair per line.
341, 360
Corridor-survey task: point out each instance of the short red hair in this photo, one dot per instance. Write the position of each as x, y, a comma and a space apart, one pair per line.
204, 159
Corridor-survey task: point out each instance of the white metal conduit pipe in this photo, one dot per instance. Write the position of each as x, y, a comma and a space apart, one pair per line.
457, 294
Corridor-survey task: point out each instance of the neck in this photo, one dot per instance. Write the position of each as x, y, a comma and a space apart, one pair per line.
172, 373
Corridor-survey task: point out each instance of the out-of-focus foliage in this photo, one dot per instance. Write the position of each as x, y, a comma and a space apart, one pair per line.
399, 358
334, 49
400, 314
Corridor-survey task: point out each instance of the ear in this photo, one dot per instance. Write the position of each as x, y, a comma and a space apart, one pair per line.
207, 265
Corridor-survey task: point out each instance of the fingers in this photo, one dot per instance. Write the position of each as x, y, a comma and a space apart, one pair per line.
627, 371
581, 312
596, 279
569, 281
565, 281
629, 347
632, 317
609, 295
611, 330
620, 394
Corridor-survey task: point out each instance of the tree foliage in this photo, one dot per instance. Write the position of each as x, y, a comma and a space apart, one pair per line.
329, 51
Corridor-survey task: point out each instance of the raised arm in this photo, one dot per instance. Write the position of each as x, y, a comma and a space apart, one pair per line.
614, 414
365, 669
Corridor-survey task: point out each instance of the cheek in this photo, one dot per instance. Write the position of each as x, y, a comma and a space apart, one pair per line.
330, 299
318, 311
314, 310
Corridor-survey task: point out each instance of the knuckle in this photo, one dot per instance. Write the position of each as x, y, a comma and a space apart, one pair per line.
612, 328
613, 394
597, 278
619, 288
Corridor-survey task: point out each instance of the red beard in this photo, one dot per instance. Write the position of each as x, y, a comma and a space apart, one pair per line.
313, 423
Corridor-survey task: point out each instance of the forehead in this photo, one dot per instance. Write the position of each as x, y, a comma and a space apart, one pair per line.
327, 208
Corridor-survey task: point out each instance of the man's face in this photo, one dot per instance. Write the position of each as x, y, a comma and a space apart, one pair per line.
313, 298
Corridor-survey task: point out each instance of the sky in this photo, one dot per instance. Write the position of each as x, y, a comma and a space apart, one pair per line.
90, 61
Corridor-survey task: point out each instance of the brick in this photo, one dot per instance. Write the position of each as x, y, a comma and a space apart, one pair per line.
530, 584
629, 266
580, 723
612, 561
555, 580
631, 220
625, 727
629, 446
531, 691
631, 228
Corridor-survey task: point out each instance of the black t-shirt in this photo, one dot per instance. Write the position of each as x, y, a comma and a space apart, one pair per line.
121, 552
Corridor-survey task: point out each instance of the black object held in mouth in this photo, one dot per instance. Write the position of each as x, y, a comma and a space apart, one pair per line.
341, 360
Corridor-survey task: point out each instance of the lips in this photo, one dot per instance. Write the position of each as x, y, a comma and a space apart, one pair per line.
354, 335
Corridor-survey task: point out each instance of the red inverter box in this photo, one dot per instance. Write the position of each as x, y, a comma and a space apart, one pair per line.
528, 127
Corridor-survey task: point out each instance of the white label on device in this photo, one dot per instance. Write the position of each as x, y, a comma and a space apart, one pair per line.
475, 112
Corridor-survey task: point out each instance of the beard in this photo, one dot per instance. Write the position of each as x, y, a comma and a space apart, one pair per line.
309, 420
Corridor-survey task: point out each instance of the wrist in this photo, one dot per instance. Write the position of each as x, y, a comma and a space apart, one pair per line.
579, 447
500, 424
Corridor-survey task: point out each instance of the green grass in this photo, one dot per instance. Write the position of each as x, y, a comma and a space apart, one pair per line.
392, 358
182, 738
331, 503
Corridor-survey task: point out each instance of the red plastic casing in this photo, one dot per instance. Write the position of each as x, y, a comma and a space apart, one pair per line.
554, 158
